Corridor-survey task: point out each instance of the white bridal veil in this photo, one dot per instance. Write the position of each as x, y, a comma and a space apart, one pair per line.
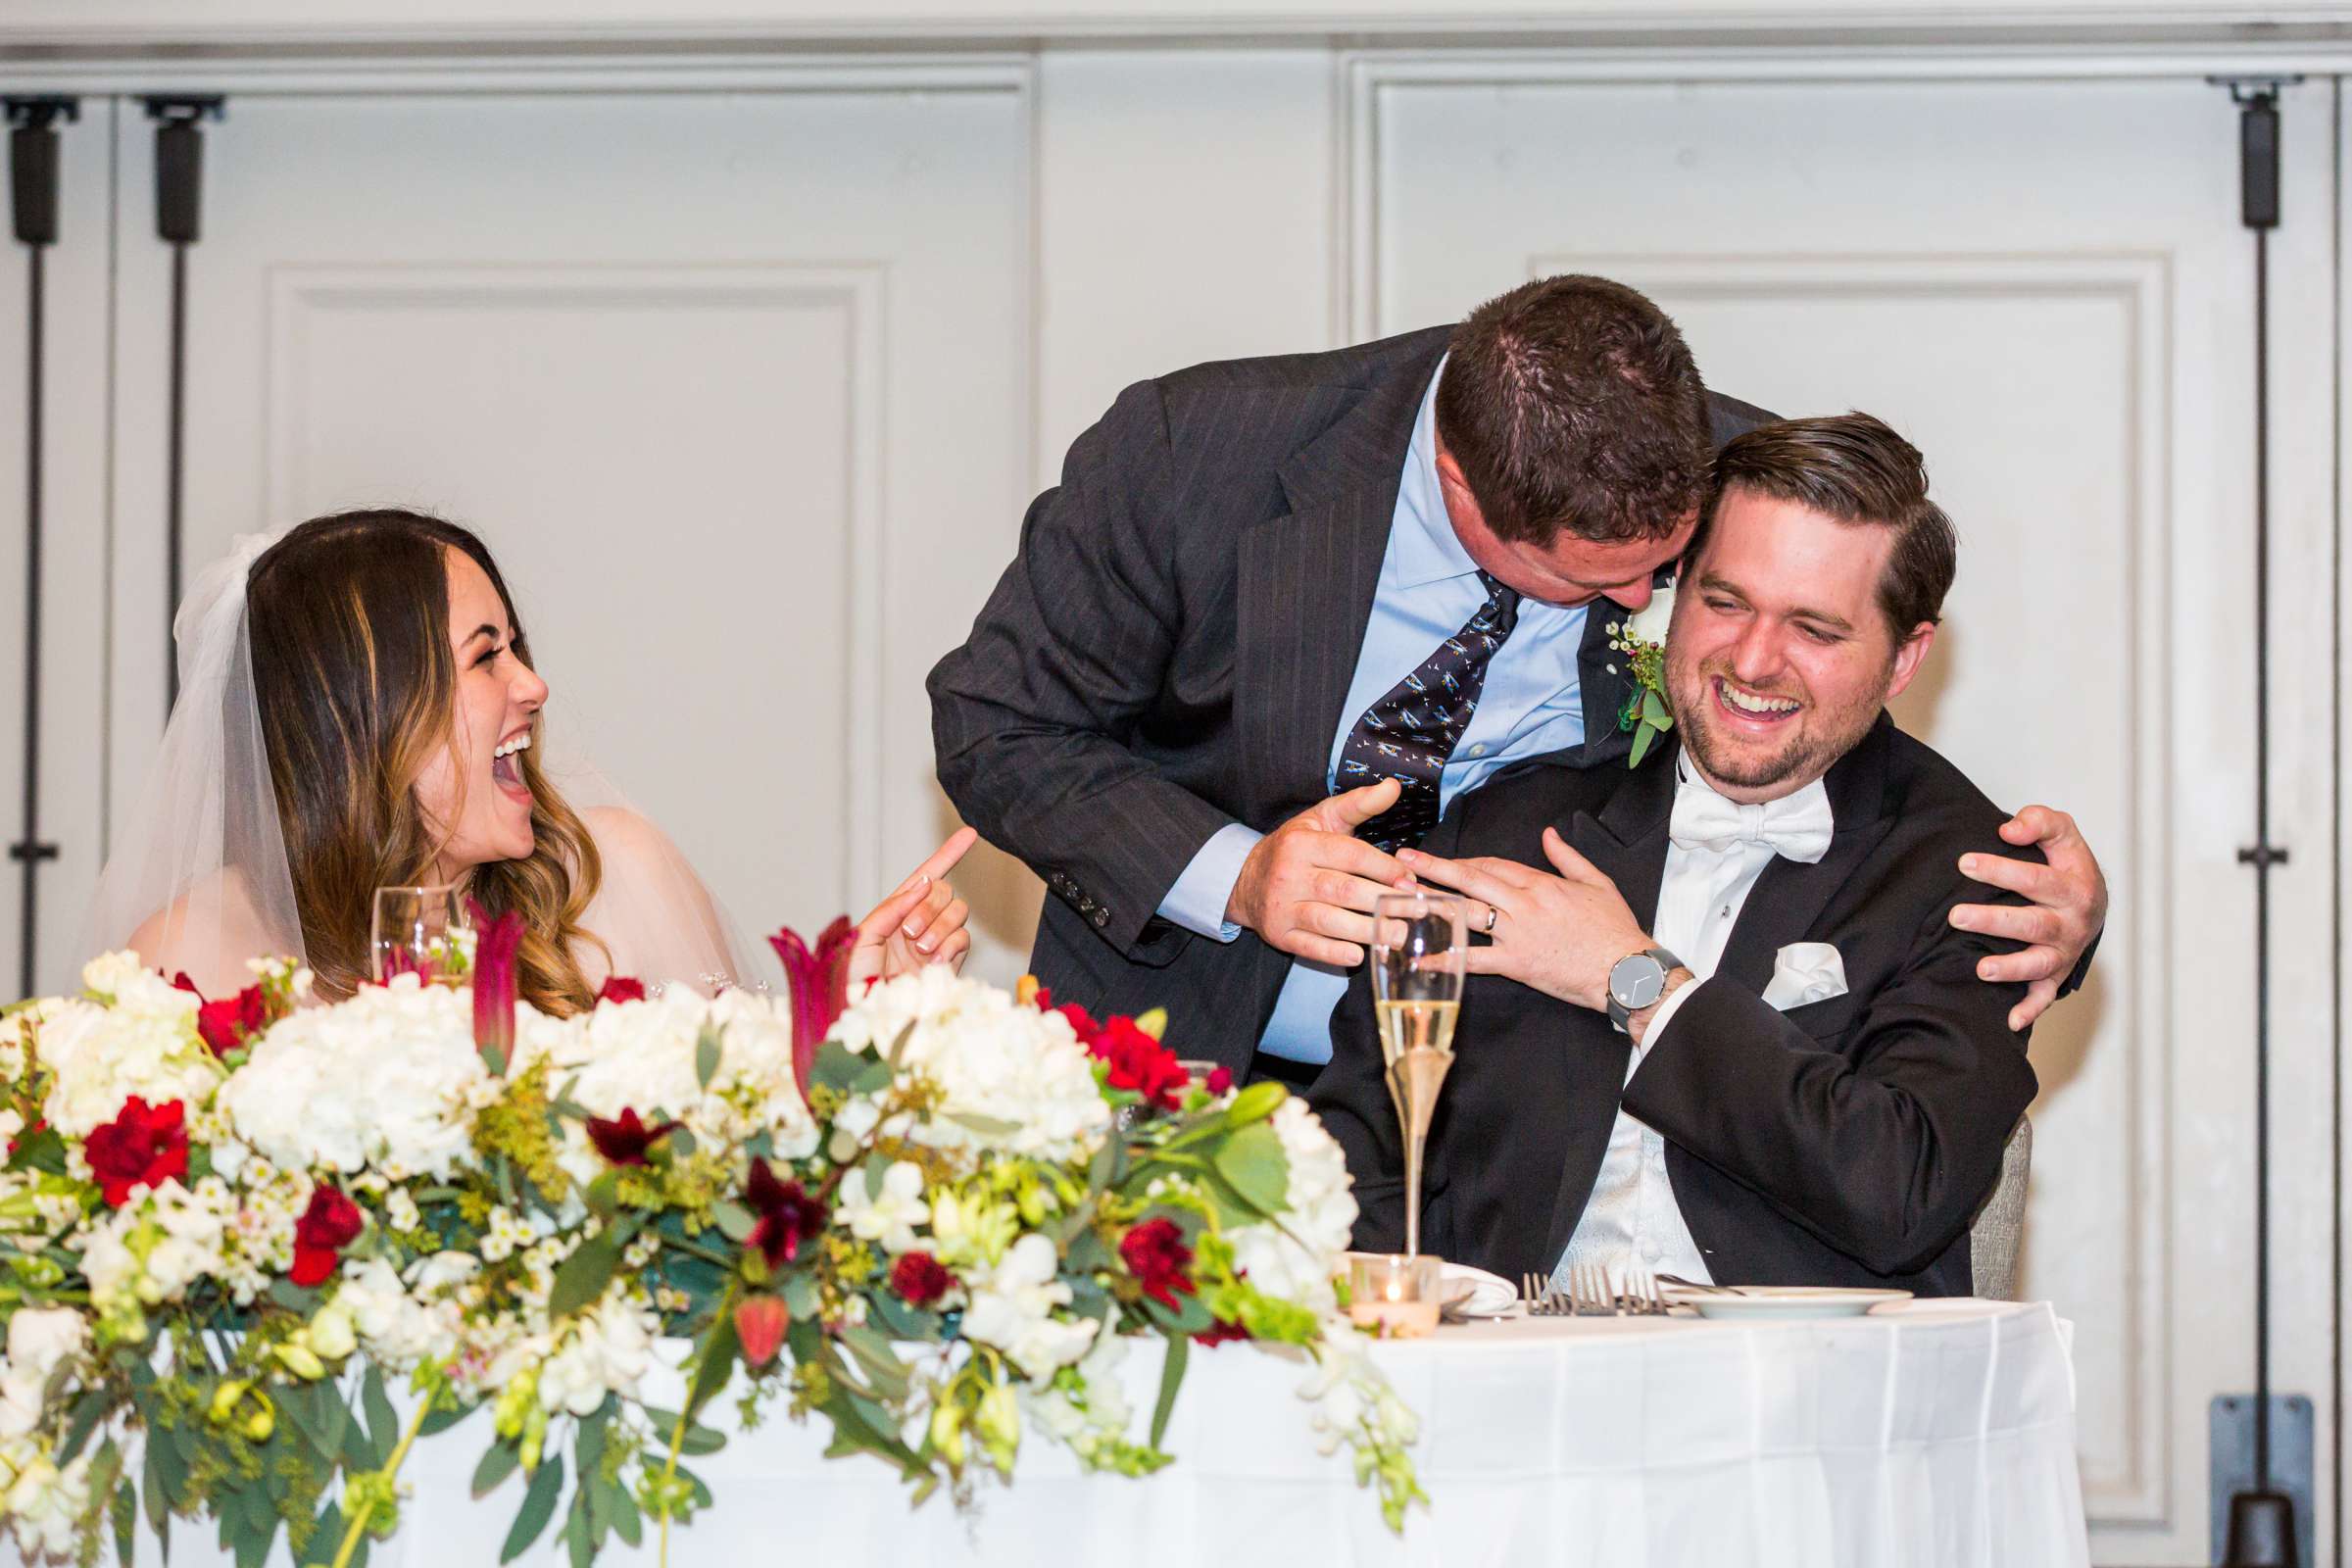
198, 879
199, 882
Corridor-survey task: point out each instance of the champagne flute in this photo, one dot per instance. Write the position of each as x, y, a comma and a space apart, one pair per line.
416, 931
1418, 953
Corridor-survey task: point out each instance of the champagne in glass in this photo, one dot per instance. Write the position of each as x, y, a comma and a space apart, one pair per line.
1418, 965
418, 931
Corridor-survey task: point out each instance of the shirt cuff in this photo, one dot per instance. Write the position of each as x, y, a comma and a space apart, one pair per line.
1197, 901
1659, 1019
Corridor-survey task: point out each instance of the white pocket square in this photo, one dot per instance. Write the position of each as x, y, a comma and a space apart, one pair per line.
1806, 971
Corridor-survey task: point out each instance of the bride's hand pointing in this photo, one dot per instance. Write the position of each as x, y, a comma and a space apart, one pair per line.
922, 921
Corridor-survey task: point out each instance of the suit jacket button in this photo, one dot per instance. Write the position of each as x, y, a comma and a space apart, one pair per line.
1102, 916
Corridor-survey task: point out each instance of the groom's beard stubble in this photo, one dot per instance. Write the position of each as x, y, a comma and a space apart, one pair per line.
1817, 735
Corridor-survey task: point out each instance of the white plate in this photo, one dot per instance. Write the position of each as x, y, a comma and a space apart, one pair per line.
1782, 1302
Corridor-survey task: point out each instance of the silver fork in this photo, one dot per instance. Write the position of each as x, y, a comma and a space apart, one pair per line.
1589, 1289
1643, 1296
1535, 1294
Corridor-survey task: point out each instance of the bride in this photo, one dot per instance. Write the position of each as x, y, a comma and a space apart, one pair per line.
358, 709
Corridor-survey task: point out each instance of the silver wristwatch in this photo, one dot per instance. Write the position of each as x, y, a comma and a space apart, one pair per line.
1638, 980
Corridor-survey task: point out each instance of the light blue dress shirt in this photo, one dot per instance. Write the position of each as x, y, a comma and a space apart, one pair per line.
1533, 704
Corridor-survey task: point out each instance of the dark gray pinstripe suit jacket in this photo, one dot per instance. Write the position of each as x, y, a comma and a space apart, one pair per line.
1169, 651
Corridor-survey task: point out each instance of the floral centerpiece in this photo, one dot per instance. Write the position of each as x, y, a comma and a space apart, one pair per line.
229, 1227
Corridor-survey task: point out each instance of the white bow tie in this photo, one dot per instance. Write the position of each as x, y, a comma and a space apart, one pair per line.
1795, 827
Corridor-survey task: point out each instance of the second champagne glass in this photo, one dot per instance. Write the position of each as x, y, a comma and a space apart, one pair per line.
1418, 955
416, 931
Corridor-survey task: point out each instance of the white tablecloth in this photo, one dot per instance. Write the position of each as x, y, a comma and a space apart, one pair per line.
1936, 1434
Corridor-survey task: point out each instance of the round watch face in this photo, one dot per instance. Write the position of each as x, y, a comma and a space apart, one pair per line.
1635, 980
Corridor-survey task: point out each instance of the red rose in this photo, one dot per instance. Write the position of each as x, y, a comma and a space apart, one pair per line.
332, 1223
1080, 1021
620, 988
1155, 1254
787, 1215
921, 1278
231, 1024
1220, 1079
144, 1145
624, 1140
1141, 1063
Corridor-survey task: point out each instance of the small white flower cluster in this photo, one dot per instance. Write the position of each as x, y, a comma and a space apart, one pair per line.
41, 1340
390, 1079
144, 1043
1013, 1078
42, 1504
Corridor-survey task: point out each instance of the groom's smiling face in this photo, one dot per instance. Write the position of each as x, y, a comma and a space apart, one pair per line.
1780, 659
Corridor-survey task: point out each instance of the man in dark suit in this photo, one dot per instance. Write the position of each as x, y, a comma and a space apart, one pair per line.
1281, 611
1749, 933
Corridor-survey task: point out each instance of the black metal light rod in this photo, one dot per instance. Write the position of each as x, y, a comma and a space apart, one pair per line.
32, 167
179, 223
2262, 1522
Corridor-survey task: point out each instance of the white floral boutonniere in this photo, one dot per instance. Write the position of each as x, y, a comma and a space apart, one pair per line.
1642, 638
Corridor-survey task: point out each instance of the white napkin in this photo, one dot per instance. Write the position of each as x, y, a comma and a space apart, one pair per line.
1806, 971
1488, 1293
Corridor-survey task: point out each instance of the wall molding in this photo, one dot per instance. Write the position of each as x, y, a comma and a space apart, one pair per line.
118, 32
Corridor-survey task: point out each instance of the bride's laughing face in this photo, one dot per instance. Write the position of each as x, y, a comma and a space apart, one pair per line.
473, 791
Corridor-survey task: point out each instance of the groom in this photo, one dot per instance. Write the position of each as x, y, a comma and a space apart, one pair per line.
1749, 933
1263, 583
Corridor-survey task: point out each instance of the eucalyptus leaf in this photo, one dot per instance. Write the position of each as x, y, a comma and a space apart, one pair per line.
706, 1057
383, 1426
720, 1348
444, 1417
87, 1413
501, 1460
577, 1538
124, 1511
538, 1507
1171, 1378
1253, 1163
985, 1126
627, 1524
1642, 739
735, 1222
699, 1440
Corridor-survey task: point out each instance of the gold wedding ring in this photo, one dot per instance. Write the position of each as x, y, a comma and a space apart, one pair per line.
1492, 914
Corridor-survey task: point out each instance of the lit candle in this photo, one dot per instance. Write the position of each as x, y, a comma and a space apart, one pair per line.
1392, 1294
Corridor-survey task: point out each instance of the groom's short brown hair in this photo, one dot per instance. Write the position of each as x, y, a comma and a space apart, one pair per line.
1855, 468
1572, 405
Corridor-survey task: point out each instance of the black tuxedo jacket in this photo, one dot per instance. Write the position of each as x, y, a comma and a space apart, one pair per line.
1169, 653
1846, 1142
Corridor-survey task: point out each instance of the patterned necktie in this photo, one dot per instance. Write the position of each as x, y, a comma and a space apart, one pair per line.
1408, 734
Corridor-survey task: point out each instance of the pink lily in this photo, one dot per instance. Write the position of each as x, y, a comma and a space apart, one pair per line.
820, 987
495, 946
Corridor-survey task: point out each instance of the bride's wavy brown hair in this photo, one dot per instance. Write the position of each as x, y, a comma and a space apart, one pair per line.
356, 681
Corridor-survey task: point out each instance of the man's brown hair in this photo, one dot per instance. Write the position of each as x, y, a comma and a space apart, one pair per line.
1853, 467
1572, 405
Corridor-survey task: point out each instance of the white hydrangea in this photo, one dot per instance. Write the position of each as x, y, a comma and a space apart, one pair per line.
1297, 1258
41, 1340
643, 1056
390, 1077
145, 1045
1013, 1078
1014, 1305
